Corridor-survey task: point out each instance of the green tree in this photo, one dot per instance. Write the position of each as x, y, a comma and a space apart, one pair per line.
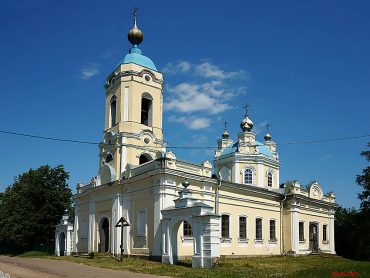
32, 206
364, 181
352, 237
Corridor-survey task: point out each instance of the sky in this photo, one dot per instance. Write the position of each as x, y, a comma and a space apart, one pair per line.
302, 66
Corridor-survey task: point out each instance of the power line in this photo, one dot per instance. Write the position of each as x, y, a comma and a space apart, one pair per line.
48, 138
177, 147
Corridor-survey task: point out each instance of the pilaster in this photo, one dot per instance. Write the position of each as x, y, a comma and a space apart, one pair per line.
91, 240
295, 227
331, 236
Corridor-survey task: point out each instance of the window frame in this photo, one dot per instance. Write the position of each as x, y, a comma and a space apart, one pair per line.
269, 179
225, 238
185, 230
250, 177
245, 238
256, 233
325, 233
301, 237
274, 238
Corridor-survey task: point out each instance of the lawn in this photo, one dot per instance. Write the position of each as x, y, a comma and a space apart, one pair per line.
307, 266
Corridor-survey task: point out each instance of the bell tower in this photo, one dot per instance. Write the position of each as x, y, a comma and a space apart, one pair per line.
133, 112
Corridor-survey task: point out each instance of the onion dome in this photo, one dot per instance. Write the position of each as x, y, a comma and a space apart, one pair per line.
267, 135
135, 36
246, 124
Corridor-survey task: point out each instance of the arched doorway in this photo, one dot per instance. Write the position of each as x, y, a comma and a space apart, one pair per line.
62, 244
104, 235
182, 241
144, 158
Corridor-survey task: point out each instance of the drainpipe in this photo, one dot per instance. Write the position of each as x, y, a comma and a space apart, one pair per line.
282, 225
217, 203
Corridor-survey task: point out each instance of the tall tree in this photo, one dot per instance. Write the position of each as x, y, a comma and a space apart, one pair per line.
352, 237
364, 181
32, 206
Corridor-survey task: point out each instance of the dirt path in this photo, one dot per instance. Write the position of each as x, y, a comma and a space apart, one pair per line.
18, 267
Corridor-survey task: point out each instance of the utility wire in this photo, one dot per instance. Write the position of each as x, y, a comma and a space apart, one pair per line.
178, 147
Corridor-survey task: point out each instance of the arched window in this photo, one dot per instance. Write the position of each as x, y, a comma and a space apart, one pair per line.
146, 109
144, 158
113, 109
269, 180
248, 176
108, 158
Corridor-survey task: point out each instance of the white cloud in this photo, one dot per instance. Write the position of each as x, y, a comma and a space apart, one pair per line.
210, 92
192, 122
209, 70
187, 97
180, 67
205, 70
89, 71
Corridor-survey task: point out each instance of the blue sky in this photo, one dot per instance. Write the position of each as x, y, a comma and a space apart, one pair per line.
303, 66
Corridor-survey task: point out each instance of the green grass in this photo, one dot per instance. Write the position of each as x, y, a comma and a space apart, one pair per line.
307, 266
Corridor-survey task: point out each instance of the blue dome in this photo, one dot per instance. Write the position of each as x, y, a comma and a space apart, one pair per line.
263, 149
135, 56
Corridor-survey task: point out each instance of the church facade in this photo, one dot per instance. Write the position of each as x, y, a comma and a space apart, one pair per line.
234, 206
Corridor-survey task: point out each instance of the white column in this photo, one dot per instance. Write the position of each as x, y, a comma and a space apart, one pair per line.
168, 245
91, 239
295, 229
261, 175
114, 220
57, 249
276, 183
75, 229
157, 216
331, 236
236, 173
126, 213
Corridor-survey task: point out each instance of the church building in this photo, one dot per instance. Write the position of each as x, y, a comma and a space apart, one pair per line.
174, 209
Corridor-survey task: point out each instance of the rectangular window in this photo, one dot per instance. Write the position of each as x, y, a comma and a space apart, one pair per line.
225, 226
301, 231
324, 235
242, 227
141, 223
187, 231
272, 230
259, 228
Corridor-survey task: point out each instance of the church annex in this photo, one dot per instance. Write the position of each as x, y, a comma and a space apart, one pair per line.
233, 206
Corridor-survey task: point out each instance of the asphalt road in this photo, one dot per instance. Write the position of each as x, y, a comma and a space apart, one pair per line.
18, 267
